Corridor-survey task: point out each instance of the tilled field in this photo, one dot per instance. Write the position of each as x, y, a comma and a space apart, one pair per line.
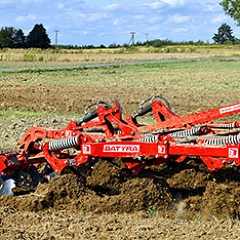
171, 201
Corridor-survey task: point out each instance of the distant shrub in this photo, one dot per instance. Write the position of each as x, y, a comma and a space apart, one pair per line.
29, 57
40, 58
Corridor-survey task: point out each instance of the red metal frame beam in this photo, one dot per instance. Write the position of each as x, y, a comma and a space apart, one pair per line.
196, 118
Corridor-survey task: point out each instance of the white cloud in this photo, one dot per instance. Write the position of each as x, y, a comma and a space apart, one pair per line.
31, 1
113, 6
84, 33
118, 21
154, 28
181, 30
174, 3
29, 17
218, 19
161, 3
211, 7
82, 15
139, 17
95, 17
155, 19
154, 5
177, 18
103, 34
60, 6
6, 1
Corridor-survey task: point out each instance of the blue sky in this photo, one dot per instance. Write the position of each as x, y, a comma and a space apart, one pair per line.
85, 22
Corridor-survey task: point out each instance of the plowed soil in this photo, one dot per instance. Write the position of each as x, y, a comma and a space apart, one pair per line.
170, 201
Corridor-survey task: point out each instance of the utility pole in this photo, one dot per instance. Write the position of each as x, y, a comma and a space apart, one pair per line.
132, 38
147, 36
56, 38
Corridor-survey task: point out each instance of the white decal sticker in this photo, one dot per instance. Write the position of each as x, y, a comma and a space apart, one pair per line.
68, 133
229, 109
86, 149
233, 152
162, 149
121, 148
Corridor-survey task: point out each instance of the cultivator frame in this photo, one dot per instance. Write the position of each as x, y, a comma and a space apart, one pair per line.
104, 134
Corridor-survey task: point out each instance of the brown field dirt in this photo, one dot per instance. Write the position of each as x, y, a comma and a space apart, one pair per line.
170, 201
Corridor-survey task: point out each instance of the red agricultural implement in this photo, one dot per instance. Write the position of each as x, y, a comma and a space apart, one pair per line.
104, 134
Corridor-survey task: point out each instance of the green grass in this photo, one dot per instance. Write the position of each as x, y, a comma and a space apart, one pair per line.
207, 75
6, 114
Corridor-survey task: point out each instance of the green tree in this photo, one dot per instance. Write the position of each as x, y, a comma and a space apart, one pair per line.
232, 8
12, 38
5, 38
19, 40
224, 35
38, 38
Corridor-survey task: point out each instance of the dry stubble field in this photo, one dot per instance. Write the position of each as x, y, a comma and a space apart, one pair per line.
182, 201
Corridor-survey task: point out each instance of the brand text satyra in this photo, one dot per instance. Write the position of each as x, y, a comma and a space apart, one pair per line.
121, 148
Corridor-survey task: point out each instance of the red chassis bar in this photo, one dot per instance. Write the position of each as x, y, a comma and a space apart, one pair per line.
192, 119
137, 155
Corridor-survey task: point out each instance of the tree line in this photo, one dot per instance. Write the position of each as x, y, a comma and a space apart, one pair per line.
38, 38
11, 37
